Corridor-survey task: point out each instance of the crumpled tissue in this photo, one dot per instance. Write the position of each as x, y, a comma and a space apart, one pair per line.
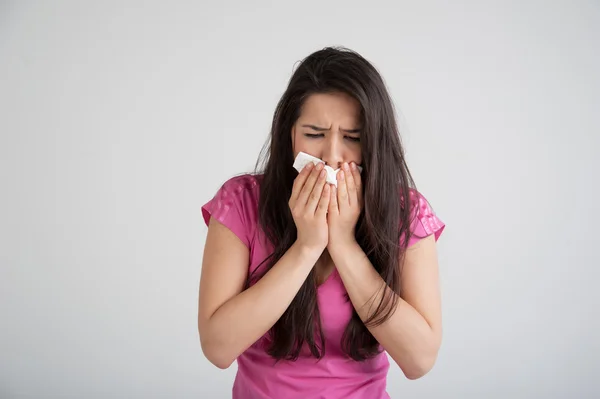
303, 158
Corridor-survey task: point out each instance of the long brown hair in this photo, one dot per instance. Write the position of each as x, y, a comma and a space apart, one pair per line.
383, 227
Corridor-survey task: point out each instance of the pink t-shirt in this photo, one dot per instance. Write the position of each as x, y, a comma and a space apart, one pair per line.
335, 375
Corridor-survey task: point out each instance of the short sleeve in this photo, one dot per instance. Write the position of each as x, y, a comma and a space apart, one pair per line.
425, 222
232, 206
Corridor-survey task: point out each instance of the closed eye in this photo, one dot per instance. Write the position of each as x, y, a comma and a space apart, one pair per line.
314, 136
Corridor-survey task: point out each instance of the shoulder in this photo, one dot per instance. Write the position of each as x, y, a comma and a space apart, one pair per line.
235, 205
424, 220
240, 183
239, 188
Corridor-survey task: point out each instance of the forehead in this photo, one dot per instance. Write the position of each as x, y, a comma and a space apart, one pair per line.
330, 108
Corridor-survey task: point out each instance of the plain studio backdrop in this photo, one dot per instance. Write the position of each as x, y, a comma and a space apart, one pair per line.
119, 120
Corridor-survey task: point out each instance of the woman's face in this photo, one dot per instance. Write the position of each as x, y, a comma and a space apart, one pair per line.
329, 128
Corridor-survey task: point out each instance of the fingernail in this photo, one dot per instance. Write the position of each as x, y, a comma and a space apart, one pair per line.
341, 174
319, 166
353, 166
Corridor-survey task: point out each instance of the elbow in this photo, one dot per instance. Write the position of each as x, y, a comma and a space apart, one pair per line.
222, 364
216, 356
418, 368
214, 353
419, 365
422, 361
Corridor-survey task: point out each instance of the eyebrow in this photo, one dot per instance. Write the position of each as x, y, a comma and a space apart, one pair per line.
324, 129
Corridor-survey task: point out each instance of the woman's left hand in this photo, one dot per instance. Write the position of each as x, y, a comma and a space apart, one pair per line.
345, 206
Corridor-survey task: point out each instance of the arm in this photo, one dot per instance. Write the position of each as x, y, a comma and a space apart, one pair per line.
413, 333
229, 320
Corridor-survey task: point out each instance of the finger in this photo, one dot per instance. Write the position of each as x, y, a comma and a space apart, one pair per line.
309, 184
333, 204
357, 181
315, 195
300, 180
324, 201
342, 191
350, 186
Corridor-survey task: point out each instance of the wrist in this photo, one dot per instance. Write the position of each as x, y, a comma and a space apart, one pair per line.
341, 243
309, 253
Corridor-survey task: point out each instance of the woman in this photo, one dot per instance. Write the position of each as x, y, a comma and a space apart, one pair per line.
307, 285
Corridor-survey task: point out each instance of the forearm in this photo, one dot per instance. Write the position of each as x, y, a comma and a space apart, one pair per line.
406, 335
242, 320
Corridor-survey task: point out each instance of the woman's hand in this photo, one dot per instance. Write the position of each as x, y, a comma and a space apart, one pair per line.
309, 202
345, 206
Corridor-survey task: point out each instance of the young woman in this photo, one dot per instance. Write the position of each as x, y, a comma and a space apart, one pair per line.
308, 285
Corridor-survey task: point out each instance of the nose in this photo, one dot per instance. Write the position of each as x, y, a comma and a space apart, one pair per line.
332, 152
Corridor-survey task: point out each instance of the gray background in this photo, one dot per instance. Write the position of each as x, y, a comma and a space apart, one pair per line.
119, 120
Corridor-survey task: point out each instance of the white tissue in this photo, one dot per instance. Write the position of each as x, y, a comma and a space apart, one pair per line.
303, 158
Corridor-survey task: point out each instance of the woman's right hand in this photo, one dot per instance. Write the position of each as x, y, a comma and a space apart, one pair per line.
309, 202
